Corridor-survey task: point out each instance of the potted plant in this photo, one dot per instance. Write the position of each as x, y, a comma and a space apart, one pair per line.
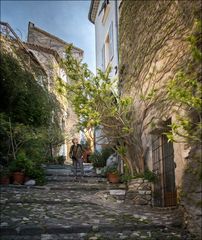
18, 167
4, 176
112, 174
98, 161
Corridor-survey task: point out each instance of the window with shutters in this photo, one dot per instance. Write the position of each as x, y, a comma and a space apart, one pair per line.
105, 10
108, 48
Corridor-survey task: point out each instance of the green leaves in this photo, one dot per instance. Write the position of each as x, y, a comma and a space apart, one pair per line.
185, 90
91, 96
22, 97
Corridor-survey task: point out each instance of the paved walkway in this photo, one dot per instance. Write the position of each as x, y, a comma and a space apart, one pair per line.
88, 209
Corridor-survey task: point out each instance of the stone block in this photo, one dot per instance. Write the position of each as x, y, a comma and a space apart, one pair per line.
148, 192
142, 192
117, 192
140, 201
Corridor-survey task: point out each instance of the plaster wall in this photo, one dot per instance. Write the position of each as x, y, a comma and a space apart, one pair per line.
101, 31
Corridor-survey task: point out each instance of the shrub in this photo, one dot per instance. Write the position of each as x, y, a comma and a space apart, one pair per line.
4, 171
110, 169
20, 164
99, 159
38, 174
147, 175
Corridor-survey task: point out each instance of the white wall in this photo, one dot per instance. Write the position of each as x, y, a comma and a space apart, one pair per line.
101, 31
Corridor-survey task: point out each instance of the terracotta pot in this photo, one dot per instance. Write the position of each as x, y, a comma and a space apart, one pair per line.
18, 178
5, 180
113, 178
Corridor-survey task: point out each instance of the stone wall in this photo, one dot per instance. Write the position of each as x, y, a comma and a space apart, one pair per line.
139, 192
40, 37
49, 50
191, 192
153, 48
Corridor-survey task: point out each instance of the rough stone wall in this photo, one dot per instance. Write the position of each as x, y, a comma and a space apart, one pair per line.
39, 37
139, 192
153, 47
191, 191
53, 71
52, 67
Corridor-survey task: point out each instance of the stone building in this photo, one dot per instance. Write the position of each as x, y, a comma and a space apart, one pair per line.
153, 49
49, 50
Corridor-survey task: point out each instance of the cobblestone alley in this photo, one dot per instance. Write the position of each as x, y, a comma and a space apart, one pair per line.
88, 208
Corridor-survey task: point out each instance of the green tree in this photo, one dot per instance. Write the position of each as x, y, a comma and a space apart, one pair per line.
28, 112
97, 103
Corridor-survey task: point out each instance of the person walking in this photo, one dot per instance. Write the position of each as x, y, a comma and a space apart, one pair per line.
76, 154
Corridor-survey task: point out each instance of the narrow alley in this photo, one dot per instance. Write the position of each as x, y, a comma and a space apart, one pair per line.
87, 208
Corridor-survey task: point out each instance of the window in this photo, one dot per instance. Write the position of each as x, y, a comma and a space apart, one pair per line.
108, 48
105, 10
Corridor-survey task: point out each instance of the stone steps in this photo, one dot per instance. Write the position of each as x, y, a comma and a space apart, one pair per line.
81, 209
86, 179
90, 232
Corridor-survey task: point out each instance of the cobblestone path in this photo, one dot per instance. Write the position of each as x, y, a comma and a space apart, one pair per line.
88, 209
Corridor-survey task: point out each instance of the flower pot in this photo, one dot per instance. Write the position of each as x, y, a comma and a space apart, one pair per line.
5, 180
98, 171
113, 178
18, 178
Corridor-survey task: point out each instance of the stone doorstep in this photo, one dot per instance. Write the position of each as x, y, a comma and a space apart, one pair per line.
37, 230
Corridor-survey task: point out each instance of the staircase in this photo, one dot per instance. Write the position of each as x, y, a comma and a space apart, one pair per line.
86, 209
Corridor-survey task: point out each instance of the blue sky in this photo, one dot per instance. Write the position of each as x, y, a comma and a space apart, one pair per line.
66, 19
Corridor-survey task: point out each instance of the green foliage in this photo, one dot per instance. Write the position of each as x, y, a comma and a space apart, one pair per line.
60, 160
185, 91
99, 159
37, 173
126, 178
150, 176
29, 114
147, 175
22, 98
20, 164
110, 169
92, 97
31, 169
4, 172
96, 102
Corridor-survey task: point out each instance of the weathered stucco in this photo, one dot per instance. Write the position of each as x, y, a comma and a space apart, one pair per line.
153, 47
